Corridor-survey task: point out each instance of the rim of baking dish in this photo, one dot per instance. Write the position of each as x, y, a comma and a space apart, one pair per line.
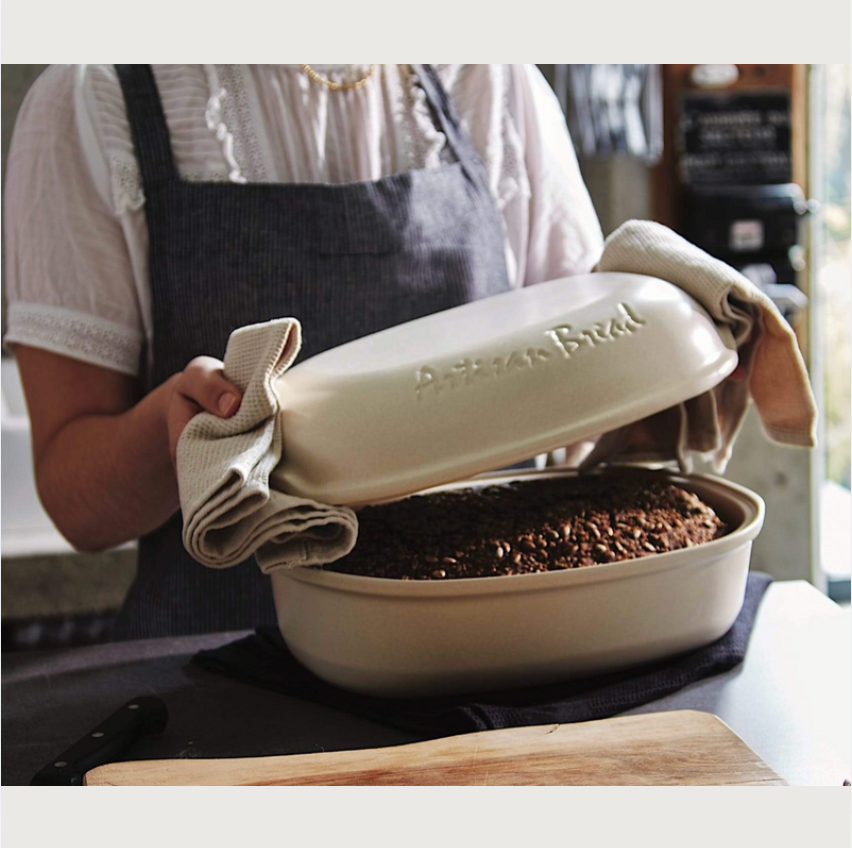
751, 504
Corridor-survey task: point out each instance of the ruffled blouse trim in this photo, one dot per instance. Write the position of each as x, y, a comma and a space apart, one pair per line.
77, 335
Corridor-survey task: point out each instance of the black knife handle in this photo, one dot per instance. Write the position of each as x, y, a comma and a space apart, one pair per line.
106, 742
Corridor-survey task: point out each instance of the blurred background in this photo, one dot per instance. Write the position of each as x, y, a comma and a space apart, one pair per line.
750, 162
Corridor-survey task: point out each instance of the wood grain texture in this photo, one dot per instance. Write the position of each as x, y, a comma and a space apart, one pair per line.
656, 749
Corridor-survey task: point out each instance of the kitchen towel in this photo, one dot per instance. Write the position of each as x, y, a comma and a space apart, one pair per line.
223, 466
775, 374
262, 659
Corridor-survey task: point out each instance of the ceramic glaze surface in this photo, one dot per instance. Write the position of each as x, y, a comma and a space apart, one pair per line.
491, 383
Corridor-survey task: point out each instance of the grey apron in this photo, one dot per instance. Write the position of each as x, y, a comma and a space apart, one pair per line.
346, 260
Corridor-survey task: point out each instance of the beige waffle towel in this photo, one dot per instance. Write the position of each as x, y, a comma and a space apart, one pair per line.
776, 380
223, 467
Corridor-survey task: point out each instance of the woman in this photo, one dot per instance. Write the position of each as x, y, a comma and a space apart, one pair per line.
151, 211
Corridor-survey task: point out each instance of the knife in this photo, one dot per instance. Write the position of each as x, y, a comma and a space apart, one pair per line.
105, 743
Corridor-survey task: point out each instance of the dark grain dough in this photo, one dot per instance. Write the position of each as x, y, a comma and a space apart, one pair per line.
527, 526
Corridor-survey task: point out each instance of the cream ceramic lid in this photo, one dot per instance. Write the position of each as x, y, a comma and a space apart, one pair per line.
492, 383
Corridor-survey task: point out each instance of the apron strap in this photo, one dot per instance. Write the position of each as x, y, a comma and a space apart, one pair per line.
147, 124
446, 117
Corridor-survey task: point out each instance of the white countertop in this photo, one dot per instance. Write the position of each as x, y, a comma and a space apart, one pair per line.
790, 699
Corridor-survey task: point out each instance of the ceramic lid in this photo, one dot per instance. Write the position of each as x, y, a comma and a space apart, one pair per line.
492, 383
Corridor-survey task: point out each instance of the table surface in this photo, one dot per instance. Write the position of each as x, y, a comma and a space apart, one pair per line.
789, 700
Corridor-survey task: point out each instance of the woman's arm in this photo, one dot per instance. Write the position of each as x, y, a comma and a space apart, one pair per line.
103, 458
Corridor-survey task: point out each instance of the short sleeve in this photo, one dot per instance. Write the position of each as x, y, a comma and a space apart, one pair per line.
69, 276
564, 234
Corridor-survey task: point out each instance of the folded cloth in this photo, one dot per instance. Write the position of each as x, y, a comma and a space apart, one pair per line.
262, 659
776, 378
223, 467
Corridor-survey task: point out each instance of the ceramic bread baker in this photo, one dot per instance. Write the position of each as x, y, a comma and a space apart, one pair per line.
473, 388
626, 348
185, 202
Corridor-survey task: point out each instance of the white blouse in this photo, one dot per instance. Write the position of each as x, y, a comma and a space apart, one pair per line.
76, 237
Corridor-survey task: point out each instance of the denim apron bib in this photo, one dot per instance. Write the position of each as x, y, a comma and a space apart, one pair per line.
346, 260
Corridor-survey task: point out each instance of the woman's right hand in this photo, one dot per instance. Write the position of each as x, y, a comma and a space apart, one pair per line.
200, 387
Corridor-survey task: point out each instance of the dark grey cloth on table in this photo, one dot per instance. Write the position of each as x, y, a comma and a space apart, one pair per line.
263, 659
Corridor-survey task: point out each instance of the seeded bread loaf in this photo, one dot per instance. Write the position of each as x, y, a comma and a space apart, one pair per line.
525, 527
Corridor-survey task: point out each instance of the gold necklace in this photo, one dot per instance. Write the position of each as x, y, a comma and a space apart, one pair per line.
337, 86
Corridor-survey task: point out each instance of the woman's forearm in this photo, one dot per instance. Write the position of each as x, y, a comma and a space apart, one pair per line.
104, 460
106, 479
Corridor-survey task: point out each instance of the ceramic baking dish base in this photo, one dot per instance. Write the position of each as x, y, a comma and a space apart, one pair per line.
425, 638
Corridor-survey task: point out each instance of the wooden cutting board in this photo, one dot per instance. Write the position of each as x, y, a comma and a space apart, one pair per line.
655, 749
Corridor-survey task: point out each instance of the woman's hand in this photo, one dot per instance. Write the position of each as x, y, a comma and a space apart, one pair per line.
200, 387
